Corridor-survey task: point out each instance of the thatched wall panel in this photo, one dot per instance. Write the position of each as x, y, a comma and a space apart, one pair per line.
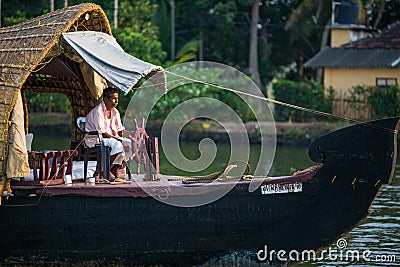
24, 47
3, 150
3, 110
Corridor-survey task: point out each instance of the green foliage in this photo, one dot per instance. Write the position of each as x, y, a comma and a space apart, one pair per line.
123, 102
188, 91
358, 97
42, 102
193, 91
222, 25
137, 34
385, 102
137, 15
294, 133
188, 52
302, 95
140, 46
20, 16
144, 31
390, 15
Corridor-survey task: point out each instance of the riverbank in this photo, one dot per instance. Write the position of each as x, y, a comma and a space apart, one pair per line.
288, 133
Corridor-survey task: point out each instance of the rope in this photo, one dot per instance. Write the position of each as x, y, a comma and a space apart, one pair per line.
42, 65
286, 104
210, 176
156, 84
220, 176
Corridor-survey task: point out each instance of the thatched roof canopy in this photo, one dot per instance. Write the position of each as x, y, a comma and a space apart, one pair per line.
33, 58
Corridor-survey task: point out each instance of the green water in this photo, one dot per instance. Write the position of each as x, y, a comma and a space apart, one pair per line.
286, 160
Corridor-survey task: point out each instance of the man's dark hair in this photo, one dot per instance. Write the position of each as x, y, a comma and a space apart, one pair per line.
107, 92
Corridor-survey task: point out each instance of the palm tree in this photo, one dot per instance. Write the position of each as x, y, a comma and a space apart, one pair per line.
253, 48
317, 13
0, 13
115, 14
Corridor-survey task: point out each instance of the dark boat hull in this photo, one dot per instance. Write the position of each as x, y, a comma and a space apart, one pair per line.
122, 224
140, 230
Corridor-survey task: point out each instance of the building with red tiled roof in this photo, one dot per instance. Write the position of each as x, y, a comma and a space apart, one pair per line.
388, 38
359, 56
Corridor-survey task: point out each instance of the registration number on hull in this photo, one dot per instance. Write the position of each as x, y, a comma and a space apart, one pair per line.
281, 188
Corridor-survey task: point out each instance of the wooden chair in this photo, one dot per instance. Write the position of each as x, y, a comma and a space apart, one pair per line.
101, 151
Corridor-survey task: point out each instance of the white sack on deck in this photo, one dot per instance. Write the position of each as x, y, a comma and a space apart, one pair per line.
17, 161
102, 52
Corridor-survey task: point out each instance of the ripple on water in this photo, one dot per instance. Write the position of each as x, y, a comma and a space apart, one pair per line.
383, 218
381, 225
364, 240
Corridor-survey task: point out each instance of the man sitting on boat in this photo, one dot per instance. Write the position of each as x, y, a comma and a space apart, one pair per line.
105, 119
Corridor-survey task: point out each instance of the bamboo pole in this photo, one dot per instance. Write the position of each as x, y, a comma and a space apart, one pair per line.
172, 4
115, 14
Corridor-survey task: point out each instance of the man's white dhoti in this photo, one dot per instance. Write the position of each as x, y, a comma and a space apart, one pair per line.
117, 147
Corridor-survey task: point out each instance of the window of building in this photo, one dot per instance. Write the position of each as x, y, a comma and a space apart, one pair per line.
386, 82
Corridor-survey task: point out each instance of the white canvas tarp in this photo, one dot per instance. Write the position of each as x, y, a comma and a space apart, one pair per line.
102, 52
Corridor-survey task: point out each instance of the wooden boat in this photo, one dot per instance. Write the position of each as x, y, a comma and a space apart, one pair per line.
126, 224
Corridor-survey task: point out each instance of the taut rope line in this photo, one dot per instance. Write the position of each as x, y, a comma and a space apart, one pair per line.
285, 104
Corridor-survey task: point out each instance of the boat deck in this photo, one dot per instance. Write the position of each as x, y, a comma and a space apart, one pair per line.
168, 185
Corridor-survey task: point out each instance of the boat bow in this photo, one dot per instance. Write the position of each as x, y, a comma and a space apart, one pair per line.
364, 151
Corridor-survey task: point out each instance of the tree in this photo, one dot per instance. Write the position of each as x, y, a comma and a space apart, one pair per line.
222, 29
253, 48
205, 21
19, 17
274, 49
310, 20
137, 34
381, 13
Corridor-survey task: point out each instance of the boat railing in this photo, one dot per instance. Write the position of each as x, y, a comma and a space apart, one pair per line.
48, 167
